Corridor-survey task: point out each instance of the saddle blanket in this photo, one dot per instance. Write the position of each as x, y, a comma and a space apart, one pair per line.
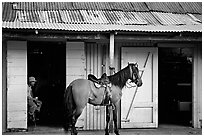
99, 85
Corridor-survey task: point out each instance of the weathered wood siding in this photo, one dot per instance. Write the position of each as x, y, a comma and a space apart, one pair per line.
75, 66
75, 61
16, 84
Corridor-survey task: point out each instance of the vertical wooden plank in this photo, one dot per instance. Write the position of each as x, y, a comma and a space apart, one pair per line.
88, 72
197, 87
155, 86
4, 84
16, 60
75, 52
117, 67
86, 108
92, 72
199, 91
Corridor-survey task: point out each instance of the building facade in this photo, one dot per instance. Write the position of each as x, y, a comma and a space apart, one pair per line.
60, 42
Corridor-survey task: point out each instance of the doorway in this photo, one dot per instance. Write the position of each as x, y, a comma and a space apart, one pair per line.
47, 63
175, 86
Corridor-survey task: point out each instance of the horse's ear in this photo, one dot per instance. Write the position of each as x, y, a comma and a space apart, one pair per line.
136, 64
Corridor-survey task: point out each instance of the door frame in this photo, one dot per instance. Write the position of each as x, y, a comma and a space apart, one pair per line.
196, 79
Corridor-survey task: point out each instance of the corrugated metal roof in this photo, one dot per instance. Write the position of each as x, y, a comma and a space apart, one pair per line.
198, 16
123, 6
174, 7
191, 7
32, 14
81, 16
175, 19
101, 27
105, 17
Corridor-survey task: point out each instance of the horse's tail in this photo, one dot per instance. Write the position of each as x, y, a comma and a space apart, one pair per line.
69, 107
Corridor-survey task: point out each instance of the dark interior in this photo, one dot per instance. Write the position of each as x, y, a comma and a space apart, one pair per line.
47, 63
175, 86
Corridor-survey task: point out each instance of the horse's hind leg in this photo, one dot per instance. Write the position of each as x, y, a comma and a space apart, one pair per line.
67, 123
107, 120
73, 128
115, 121
74, 120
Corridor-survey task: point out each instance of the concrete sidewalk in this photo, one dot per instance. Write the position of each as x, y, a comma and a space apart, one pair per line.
161, 130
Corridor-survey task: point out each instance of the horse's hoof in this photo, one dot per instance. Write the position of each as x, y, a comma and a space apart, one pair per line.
75, 133
116, 132
106, 133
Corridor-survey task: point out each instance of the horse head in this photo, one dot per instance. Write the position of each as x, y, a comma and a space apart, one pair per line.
134, 74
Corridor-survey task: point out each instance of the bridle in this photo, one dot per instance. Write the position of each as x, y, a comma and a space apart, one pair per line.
134, 75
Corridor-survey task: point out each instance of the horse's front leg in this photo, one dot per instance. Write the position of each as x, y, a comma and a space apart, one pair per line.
107, 120
115, 120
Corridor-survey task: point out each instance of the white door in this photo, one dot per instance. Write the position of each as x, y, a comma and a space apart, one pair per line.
141, 110
16, 84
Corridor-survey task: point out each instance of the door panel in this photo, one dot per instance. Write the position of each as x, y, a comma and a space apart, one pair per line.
16, 84
140, 110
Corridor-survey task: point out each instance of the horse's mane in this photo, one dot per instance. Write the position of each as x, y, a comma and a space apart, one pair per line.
120, 78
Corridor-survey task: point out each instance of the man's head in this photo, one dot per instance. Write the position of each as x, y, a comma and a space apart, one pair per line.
32, 81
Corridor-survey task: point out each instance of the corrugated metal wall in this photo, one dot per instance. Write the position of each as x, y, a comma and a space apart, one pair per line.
91, 59
95, 64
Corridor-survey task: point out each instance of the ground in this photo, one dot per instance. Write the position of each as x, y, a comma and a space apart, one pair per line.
161, 130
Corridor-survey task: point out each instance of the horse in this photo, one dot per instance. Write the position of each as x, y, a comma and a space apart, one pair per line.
78, 93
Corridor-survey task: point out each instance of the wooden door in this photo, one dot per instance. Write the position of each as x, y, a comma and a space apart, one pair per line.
141, 110
16, 84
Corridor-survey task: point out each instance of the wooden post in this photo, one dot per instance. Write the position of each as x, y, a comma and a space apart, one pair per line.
111, 54
112, 70
4, 86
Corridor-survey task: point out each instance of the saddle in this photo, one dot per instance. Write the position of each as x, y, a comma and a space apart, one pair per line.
94, 79
103, 81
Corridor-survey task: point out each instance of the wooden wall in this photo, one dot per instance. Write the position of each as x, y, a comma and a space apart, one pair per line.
75, 61
16, 84
4, 85
197, 87
75, 66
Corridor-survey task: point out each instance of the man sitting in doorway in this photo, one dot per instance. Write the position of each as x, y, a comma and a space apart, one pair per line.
34, 104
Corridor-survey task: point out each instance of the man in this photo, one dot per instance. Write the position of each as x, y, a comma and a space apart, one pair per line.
33, 103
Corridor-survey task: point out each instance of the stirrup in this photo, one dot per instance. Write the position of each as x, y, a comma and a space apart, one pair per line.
113, 107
